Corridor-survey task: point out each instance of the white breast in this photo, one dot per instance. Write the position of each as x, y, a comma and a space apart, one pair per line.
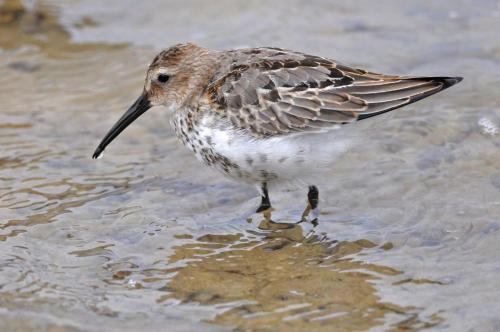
289, 158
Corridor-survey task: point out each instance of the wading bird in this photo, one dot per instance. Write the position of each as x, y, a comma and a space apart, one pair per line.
265, 116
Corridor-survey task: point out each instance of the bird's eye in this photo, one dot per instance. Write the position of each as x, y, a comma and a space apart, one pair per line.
163, 78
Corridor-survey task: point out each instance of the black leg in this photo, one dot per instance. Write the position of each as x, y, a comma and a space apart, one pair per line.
265, 204
312, 197
312, 205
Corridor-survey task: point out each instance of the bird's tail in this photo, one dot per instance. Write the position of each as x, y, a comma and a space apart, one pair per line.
388, 94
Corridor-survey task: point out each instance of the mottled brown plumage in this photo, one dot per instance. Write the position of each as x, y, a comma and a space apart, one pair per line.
270, 91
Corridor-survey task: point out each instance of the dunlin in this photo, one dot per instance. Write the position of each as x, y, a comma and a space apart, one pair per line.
266, 115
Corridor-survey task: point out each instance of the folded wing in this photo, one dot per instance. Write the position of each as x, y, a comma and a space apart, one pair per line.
273, 91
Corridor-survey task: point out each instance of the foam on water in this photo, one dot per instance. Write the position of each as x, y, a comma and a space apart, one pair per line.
487, 126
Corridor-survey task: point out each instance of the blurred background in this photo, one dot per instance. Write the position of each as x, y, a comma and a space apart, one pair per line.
145, 238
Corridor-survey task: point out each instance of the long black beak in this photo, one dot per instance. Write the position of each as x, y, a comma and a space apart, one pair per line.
140, 106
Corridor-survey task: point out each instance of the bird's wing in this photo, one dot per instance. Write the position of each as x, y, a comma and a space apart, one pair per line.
272, 91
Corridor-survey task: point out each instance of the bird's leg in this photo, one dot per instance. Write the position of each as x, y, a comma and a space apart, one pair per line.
312, 197
265, 204
312, 205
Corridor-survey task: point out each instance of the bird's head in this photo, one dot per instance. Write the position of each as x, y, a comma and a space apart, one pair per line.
174, 78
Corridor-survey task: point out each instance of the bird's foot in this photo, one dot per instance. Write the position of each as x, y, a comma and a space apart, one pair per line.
310, 215
263, 208
257, 214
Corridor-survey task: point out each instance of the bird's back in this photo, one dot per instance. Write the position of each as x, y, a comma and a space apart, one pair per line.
270, 91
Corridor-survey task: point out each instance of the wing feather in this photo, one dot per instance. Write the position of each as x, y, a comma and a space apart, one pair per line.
273, 91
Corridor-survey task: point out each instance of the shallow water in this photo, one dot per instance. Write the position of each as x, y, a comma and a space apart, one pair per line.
145, 238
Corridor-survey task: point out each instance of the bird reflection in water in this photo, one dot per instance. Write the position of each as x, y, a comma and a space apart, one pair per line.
281, 275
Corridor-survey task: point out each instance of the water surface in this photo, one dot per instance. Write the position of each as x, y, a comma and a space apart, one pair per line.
145, 238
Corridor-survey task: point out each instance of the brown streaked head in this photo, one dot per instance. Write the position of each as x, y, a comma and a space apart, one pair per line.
172, 79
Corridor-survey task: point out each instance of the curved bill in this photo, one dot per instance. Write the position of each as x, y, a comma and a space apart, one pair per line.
140, 106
